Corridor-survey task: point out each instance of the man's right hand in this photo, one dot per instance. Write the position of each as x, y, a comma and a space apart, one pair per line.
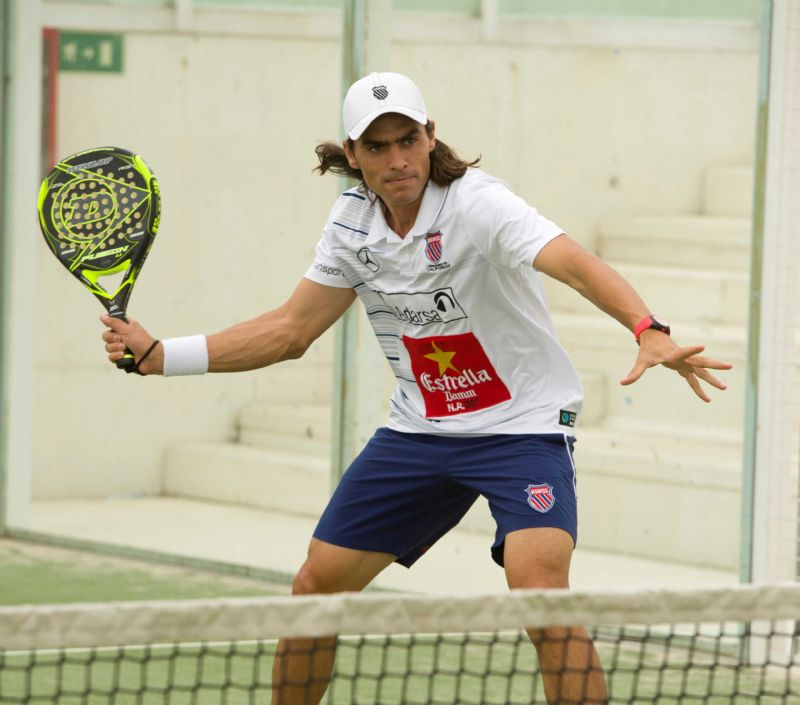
131, 335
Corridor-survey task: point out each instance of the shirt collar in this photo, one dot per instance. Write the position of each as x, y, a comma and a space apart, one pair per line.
432, 201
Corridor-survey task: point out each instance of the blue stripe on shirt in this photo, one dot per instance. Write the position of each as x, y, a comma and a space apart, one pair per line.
347, 227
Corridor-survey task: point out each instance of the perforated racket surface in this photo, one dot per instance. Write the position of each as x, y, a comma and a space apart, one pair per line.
99, 212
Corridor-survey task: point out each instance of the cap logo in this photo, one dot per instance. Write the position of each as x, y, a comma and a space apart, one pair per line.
380, 92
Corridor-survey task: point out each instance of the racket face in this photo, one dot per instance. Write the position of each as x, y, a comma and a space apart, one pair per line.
99, 212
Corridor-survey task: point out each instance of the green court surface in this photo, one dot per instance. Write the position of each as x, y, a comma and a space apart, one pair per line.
37, 574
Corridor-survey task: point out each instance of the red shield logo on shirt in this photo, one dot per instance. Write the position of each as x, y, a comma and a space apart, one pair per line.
541, 497
433, 246
454, 374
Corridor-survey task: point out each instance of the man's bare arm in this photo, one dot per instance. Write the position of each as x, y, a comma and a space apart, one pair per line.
284, 333
565, 260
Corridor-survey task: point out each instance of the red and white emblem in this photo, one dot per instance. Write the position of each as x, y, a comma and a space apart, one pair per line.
454, 374
541, 497
433, 246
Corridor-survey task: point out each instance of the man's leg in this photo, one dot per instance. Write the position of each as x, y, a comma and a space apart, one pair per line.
302, 667
571, 670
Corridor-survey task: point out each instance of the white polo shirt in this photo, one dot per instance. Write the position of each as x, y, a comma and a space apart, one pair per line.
458, 308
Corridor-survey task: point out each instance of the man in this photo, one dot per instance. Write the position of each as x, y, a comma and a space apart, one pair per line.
445, 260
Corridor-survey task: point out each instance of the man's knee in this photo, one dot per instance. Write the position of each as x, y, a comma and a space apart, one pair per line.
538, 558
309, 581
330, 568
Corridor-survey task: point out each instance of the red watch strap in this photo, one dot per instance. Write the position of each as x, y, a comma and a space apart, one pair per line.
650, 321
642, 326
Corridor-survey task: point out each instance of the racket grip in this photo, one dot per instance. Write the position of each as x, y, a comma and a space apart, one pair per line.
127, 362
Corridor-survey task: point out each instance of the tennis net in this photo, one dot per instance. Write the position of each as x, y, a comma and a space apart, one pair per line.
712, 646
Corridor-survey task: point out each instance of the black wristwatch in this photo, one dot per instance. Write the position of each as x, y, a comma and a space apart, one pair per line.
650, 322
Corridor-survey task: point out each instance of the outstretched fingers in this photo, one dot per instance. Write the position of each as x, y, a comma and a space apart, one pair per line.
687, 362
695, 385
638, 370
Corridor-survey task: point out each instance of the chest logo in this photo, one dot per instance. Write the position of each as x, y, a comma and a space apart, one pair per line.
419, 308
368, 259
454, 374
433, 246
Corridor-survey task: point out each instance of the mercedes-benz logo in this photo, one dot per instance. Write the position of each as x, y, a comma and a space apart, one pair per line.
367, 258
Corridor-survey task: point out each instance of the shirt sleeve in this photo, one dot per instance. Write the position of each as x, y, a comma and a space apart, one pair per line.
508, 231
326, 268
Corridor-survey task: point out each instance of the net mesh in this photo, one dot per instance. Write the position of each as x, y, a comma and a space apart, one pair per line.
736, 645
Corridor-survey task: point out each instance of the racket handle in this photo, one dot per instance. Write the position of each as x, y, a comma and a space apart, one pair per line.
127, 362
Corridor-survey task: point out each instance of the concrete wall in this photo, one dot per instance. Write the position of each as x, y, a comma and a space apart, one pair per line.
228, 126
584, 122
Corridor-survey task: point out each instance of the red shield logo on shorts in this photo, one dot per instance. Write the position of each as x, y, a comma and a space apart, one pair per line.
541, 497
454, 374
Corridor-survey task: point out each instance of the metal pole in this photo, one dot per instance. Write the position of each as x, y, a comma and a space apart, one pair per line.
22, 158
5, 80
754, 324
344, 368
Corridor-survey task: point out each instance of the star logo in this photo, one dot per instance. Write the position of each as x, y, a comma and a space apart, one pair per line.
442, 358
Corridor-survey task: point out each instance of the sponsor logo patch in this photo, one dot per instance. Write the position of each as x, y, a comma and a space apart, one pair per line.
454, 374
567, 418
541, 497
419, 308
368, 259
325, 269
380, 92
433, 246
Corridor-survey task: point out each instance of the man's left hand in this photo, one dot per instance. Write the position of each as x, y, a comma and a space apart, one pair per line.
656, 348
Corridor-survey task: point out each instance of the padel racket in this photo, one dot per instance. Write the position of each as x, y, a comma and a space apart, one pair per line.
99, 211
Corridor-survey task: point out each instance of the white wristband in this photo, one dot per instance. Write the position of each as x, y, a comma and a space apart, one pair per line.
185, 356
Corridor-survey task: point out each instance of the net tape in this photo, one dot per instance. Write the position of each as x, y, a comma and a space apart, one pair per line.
238, 619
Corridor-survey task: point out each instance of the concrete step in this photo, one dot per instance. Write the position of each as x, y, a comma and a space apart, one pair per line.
303, 426
728, 191
644, 491
692, 241
668, 495
306, 427
705, 295
246, 476
653, 492
307, 379
248, 541
599, 345
602, 350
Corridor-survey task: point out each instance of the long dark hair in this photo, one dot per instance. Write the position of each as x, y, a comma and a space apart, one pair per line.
446, 164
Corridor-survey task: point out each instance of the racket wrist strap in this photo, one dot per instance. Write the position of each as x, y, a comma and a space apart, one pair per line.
187, 355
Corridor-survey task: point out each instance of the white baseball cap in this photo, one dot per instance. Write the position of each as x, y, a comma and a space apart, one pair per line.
378, 94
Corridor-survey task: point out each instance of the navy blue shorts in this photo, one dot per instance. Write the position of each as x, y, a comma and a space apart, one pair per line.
405, 491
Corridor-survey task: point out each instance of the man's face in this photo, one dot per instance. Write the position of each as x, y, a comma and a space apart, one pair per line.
393, 154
